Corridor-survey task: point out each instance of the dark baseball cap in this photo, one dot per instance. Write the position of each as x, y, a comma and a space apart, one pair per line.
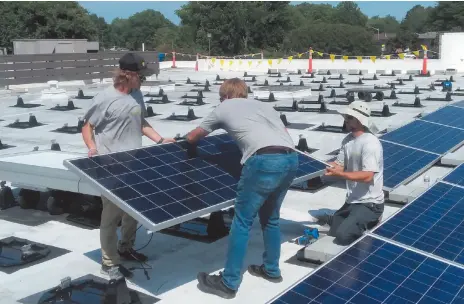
135, 63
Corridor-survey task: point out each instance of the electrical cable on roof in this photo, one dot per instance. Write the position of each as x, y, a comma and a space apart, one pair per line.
142, 263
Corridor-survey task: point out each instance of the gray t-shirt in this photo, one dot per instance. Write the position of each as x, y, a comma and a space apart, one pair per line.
363, 153
251, 123
117, 118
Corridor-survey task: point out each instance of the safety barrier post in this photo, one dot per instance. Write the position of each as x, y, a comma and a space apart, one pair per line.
173, 60
310, 63
262, 55
196, 64
424, 63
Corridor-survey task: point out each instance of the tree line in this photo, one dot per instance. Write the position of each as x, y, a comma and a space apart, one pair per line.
277, 28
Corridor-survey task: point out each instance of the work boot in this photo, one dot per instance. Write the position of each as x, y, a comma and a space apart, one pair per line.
259, 271
132, 255
324, 219
213, 284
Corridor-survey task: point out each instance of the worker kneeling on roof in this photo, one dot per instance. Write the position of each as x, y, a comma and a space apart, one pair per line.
269, 167
360, 163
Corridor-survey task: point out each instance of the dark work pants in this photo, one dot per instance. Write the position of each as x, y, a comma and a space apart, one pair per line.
351, 220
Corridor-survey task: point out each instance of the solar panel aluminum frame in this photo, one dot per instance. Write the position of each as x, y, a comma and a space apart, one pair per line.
315, 270
452, 149
372, 231
443, 179
415, 175
169, 223
458, 104
368, 234
403, 207
424, 118
137, 215
312, 175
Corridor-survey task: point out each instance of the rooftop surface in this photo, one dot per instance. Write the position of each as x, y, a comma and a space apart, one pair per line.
175, 261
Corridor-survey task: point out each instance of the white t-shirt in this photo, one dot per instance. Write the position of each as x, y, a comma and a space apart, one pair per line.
363, 153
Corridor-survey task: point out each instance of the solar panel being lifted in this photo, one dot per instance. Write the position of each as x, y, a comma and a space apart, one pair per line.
167, 184
448, 116
426, 136
456, 176
374, 271
432, 223
401, 164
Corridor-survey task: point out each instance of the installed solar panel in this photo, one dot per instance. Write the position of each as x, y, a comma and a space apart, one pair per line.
168, 184
434, 223
374, 271
459, 104
448, 116
426, 136
402, 164
456, 176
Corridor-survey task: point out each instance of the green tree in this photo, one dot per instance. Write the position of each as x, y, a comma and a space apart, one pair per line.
103, 30
141, 28
236, 27
44, 20
119, 30
313, 13
348, 12
403, 40
416, 20
447, 16
387, 24
335, 38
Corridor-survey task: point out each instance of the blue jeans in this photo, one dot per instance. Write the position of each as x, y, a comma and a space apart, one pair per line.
263, 184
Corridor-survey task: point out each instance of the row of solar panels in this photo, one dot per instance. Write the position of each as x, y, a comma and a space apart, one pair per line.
415, 147
164, 185
416, 256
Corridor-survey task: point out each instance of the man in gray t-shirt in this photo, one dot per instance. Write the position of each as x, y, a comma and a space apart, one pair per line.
252, 124
114, 122
269, 167
360, 163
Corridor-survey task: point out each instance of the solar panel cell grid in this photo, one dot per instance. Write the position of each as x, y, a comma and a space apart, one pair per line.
426, 136
165, 182
456, 176
459, 104
402, 163
373, 271
161, 182
448, 116
306, 164
433, 223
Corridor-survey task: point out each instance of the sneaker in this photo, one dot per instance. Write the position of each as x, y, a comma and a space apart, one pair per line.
132, 255
259, 271
122, 270
213, 284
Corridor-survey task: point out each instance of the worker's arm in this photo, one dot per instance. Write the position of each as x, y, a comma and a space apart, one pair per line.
149, 132
196, 134
89, 140
209, 124
357, 176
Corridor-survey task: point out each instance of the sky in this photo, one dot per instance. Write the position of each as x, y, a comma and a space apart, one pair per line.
124, 9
